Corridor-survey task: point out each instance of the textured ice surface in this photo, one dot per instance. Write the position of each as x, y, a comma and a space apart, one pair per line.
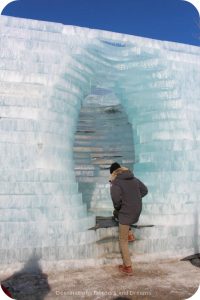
103, 135
49, 71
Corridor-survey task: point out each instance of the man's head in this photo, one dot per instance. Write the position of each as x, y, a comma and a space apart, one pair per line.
114, 167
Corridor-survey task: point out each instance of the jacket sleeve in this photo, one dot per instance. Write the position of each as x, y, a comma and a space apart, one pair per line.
143, 188
116, 196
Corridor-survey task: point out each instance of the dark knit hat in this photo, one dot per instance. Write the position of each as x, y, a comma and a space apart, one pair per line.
114, 167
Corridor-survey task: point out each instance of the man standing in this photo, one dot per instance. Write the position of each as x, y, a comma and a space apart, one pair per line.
126, 193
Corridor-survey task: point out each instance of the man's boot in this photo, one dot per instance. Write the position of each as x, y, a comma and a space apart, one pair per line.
126, 270
131, 237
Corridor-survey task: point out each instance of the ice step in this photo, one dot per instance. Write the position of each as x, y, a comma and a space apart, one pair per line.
107, 145
88, 149
107, 113
109, 139
104, 165
108, 155
95, 118
123, 160
103, 155
105, 130
104, 126
100, 116
103, 148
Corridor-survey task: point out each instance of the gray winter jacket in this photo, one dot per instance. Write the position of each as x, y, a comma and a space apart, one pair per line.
126, 193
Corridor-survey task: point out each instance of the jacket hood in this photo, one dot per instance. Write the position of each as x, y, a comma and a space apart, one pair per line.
121, 173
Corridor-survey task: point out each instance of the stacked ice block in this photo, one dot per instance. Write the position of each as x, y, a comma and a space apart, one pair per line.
47, 72
41, 211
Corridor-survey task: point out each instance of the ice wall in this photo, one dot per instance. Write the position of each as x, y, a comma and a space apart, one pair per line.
47, 70
41, 212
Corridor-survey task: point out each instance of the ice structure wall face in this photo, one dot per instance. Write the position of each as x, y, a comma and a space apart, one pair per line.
47, 72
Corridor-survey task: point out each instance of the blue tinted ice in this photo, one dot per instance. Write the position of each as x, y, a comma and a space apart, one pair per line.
48, 73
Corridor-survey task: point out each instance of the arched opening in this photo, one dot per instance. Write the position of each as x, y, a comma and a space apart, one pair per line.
104, 135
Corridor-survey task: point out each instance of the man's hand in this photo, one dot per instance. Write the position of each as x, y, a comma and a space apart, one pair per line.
115, 213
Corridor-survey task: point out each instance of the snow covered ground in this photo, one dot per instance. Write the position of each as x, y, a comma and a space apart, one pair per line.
164, 279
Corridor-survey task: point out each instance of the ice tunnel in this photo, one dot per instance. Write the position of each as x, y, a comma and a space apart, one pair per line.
73, 100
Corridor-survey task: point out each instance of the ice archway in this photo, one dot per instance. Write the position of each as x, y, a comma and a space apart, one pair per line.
47, 70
